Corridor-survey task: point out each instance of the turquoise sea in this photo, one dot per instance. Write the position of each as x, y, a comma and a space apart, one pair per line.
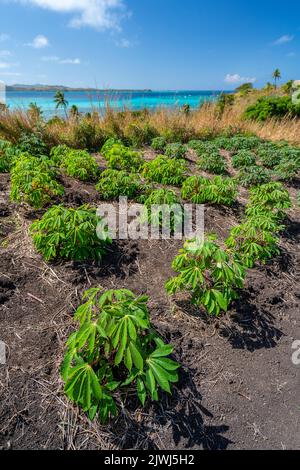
134, 100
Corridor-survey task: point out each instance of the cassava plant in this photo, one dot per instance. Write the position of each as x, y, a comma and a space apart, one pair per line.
165, 170
255, 239
162, 199
253, 176
218, 190
119, 157
268, 198
115, 183
211, 275
212, 162
69, 233
175, 150
80, 164
115, 351
243, 158
33, 181
159, 144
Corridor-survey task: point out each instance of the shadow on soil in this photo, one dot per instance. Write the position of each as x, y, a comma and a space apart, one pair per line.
179, 418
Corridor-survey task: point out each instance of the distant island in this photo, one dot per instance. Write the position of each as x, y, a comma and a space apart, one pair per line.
38, 87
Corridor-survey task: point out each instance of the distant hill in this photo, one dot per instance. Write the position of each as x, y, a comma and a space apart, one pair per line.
39, 87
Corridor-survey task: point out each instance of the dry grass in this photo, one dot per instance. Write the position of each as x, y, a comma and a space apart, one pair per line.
90, 131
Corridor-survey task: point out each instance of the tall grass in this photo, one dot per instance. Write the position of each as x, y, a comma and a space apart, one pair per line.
139, 127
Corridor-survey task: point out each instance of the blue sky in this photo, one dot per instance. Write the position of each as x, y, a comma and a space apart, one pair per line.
157, 44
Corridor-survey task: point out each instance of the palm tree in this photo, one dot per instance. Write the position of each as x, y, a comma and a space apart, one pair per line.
277, 76
74, 112
61, 101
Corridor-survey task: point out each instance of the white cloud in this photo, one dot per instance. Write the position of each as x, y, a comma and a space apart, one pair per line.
98, 14
5, 65
10, 74
124, 43
236, 78
52, 58
4, 37
39, 42
56, 59
5, 53
70, 61
283, 40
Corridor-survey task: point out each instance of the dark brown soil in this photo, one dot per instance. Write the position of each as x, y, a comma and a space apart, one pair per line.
238, 386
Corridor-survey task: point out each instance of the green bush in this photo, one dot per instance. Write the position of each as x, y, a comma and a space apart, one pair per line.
68, 233
5, 160
34, 181
114, 349
238, 142
203, 146
80, 164
175, 150
272, 107
269, 156
109, 144
212, 163
160, 197
165, 170
253, 176
159, 144
243, 158
88, 135
268, 198
139, 134
119, 157
201, 190
58, 153
32, 144
255, 239
115, 183
209, 273
286, 170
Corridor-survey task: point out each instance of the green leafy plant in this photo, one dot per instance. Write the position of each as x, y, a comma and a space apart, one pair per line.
165, 170
159, 144
32, 144
201, 190
253, 176
212, 163
286, 170
175, 150
203, 146
268, 198
238, 142
115, 183
69, 233
119, 157
34, 181
80, 164
272, 107
255, 239
243, 158
115, 350
58, 153
162, 197
139, 134
5, 160
209, 273
109, 144
269, 155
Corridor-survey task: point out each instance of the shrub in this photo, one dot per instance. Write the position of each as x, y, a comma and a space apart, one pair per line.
139, 134
254, 240
5, 161
203, 146
212, 163
253, 176
165, 170
109, 144
58, 153
32, 144
209, 273
161, 197
114, 349
88, 134
80, 164
268, 198
119, 157
269, 107
239, 142
243, 158
269, 156
201, 190
33, 181
68, 233
159, 144
175, 150
286, 170
115, 183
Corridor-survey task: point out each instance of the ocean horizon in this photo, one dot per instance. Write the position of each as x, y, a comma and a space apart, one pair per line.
87, 101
